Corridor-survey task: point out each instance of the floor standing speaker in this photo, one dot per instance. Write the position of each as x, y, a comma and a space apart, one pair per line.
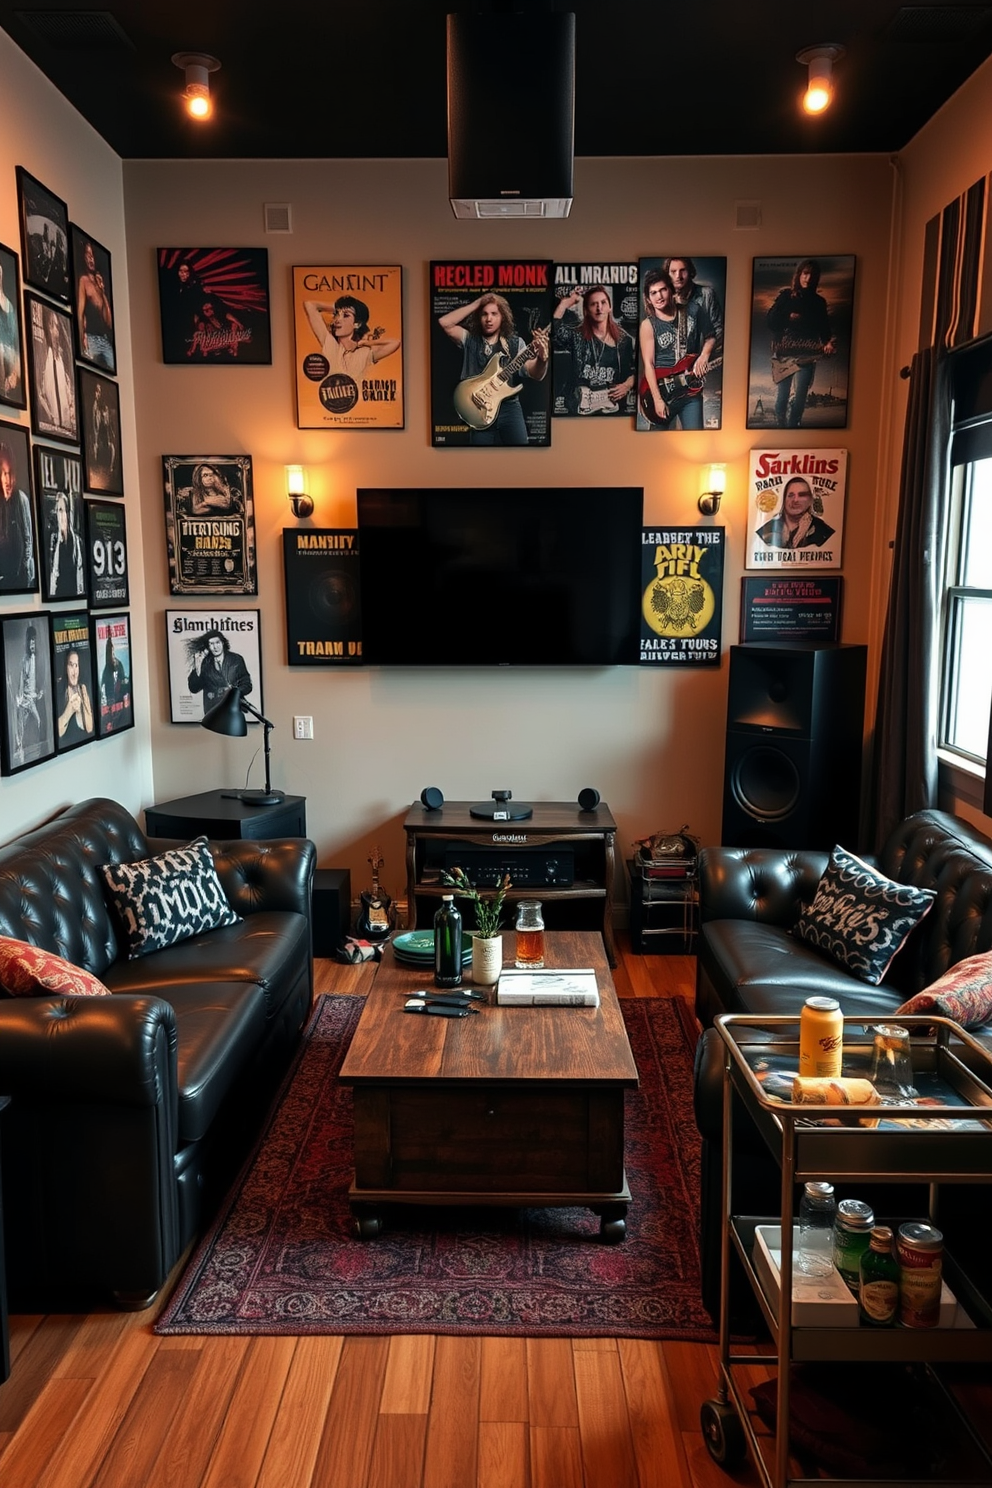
795, 726
331, 909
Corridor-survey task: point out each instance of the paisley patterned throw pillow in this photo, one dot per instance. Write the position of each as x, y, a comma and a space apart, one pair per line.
160, 901
964, 993
28, 971
860, 918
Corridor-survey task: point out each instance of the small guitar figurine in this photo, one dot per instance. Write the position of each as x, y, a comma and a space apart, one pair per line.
477, 399
375, 915
673, 383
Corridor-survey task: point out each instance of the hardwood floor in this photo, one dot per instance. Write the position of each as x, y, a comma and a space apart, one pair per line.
99, 1401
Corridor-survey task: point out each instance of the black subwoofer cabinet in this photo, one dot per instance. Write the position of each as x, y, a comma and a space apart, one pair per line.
331, 909
795, 726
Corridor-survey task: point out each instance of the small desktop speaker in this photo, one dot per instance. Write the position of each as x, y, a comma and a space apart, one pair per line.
431, 798
331, 909
588, 799
795, 724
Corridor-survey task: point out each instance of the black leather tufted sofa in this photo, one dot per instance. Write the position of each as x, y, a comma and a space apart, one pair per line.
131, 1114
748, 962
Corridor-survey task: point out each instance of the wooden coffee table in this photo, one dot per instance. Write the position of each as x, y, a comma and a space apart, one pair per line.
516, 1106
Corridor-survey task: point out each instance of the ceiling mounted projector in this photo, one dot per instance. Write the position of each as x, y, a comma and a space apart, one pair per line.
511, 132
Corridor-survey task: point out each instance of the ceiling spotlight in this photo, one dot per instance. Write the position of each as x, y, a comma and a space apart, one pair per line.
197, 66
819, 86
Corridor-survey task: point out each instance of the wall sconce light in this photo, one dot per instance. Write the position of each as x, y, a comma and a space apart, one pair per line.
819, 84
716, 484
197, 66
296, 490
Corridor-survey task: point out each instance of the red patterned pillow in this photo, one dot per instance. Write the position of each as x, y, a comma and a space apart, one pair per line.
28, 971
964, 993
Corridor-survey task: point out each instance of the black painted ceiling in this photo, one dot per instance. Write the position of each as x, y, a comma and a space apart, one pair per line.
366, 78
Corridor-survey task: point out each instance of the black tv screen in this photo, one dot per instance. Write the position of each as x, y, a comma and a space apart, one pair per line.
513, 576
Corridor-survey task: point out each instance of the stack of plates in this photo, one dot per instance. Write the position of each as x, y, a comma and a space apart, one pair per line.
416, 948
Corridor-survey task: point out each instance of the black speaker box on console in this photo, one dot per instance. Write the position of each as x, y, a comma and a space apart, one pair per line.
331, 909
511, 139
795, 725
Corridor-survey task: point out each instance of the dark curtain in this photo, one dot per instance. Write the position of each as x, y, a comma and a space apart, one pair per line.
904, 761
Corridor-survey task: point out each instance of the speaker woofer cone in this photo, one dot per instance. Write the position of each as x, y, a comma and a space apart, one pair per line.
766, 784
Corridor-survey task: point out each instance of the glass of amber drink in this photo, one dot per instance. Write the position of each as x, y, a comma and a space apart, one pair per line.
530, 935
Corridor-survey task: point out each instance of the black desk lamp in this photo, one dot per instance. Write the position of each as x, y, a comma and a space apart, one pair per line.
228, 717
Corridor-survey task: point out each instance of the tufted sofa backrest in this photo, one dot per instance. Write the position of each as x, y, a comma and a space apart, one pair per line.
51, 893
934, 850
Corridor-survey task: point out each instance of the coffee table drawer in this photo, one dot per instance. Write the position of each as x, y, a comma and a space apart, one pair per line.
488, 1139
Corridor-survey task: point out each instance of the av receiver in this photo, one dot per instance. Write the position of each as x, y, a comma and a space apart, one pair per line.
529, 867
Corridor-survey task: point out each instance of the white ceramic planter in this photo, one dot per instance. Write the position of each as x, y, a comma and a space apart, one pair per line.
487, 959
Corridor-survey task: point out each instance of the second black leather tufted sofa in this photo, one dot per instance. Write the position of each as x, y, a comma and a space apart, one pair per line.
749, 962
130, 1114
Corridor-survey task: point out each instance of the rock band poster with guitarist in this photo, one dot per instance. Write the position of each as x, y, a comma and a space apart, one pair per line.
801, 315
490, 352
680, 343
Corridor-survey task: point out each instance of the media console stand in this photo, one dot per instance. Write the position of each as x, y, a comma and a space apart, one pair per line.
584, 840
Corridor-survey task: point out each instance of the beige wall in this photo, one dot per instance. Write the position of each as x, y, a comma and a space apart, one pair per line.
45, 135
651, 742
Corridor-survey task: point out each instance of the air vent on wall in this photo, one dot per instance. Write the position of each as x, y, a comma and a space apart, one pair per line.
278, 217
932, 24
494, 169
76, 30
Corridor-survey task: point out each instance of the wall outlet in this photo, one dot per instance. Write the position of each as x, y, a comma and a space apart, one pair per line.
302, 727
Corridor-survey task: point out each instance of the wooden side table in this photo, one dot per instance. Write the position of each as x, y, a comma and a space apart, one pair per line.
217, 815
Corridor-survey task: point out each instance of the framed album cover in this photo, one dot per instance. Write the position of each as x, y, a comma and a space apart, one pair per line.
680, 343
28, 733
210, 524
112, 660
349, 347
44, 236
74, 687
18, 565
211, 651
323, 596
58, 496
594, 340
100, 420
93, 301
490, 352
12, 385
215, 306
106, 555
52, 371
802, 312
795, 514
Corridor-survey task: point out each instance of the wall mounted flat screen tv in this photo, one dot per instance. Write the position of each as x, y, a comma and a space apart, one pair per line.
512, 576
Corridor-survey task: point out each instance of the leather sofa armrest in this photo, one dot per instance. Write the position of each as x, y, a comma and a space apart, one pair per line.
275, 874
757, 883
117, 1050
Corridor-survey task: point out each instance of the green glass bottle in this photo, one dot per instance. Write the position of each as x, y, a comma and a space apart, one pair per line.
447, 944
878, 1290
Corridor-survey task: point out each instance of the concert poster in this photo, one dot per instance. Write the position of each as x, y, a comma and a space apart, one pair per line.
106, 554
349, 347
681, 311
589, 369
471, 402
795, 513
210, 524
682, 599
61, 550
323, 596
796, 608
112, 660
75, 690
802, 310
211, 651
214, 304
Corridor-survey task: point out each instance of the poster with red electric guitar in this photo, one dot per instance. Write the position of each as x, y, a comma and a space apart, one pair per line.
680, 343
491, 352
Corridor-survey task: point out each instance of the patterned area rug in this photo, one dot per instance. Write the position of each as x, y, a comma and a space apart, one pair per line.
282, 1257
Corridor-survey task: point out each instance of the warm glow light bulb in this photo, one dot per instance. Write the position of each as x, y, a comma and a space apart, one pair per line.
817, 96
197, 102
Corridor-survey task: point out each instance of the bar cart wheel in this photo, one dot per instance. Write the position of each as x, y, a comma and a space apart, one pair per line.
723, 1434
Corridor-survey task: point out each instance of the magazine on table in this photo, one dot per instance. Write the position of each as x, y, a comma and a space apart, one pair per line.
548, 988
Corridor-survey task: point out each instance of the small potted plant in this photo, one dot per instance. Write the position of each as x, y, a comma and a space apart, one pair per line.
487, 943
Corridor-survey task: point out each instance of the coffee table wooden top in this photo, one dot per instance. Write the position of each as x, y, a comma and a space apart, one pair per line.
516, 1045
